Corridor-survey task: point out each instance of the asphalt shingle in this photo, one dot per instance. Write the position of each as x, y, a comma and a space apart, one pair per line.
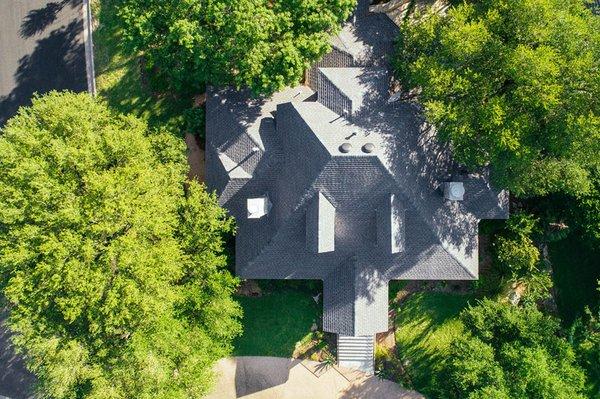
291, 145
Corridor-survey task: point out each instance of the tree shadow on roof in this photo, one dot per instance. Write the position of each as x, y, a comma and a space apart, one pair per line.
421, 163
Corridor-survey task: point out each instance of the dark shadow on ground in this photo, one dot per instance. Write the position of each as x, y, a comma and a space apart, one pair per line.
39, 19
575, 274
15, 381
57, 63
251, 378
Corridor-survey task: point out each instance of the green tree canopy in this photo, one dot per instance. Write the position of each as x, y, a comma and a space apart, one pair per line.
585, 209
113, 273
585, 335
261, 44
518, 258
511, 352
514, 84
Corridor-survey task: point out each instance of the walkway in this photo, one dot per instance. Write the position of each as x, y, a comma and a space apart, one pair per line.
256, 377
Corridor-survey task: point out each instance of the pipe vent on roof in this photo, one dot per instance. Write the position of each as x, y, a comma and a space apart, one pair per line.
368, 148
345, 148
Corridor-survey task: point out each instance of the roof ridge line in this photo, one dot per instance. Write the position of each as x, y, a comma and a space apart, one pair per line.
443, 245
429, 226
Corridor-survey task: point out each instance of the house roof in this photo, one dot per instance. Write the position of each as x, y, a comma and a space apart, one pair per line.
357, 198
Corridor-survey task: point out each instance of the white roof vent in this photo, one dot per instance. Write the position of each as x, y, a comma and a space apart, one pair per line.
454, 191
258, 207
345, 148
368, 148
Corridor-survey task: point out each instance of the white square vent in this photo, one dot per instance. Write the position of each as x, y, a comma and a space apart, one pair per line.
258, 207
454, 191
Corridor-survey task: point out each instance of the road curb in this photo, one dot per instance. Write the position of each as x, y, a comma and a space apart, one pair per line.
89, 48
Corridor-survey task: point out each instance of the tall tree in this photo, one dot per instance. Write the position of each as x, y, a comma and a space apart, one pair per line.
511, 352
585, 335
514, 84
585, 210
114, 276
261, 44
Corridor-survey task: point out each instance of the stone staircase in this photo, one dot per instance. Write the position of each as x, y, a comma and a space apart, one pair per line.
356, 352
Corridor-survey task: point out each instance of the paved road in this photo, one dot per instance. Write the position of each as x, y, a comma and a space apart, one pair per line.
15, 381
41, 48
255, 377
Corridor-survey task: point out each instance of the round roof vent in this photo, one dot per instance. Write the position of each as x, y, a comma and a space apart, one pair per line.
368, 148
457, 190
345, 148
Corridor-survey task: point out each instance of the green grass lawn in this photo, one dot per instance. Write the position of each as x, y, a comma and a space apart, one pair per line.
426, 324
576, 270
275, 322
118, 78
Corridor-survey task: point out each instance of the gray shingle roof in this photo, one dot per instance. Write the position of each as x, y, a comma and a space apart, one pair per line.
354, 219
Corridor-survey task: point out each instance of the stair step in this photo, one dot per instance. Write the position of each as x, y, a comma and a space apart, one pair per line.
356, 352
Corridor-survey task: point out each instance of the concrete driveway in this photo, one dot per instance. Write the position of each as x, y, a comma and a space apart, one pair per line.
256, 377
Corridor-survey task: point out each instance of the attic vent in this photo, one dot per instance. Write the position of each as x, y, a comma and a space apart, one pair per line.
454, 191
258, 207
368, 148
345, 148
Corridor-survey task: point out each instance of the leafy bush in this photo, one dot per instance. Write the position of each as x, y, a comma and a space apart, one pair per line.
585, 336
510, 352
517, 258
586, 209
194, 121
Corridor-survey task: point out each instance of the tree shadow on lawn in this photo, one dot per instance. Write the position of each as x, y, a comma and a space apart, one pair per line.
275, 322
120, 76
426, 325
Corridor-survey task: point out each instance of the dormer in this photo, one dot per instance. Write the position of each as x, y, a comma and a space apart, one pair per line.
344, 90
391, 225
320, 225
